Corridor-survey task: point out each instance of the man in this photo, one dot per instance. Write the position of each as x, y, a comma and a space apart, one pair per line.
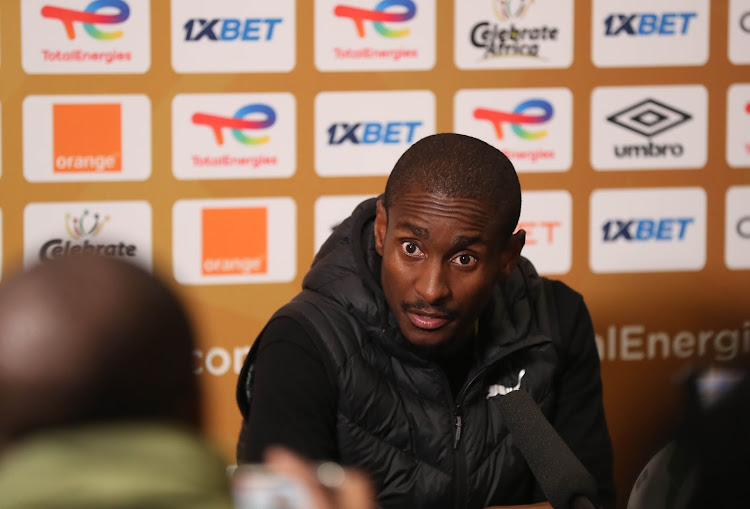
99, 404
416, 315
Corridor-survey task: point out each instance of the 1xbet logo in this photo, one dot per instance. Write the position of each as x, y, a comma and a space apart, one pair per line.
378, 16
669, 23
373, 132
518, 117
640, 230
90, 16
238, 122
231, 29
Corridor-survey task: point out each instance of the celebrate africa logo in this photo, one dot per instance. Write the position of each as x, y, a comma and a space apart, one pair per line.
81, 229
519, 33
379, 15
518, 117
84, 226
91, 16
239, 122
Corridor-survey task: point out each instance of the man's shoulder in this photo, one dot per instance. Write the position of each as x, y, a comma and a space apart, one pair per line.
311, 311
570, 315
561, 292
552, 288
314, 319
285, 329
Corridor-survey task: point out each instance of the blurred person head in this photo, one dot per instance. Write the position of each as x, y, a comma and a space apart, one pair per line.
95, 355
88, 339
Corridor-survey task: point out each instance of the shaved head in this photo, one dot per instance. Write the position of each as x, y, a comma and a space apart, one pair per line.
457, 166
92, 339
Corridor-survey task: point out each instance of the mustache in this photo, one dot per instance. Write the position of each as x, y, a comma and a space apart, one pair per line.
422, 306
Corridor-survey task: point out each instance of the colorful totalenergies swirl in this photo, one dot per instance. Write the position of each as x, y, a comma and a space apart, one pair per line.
518, 117
378, 16
89, 17
238, 122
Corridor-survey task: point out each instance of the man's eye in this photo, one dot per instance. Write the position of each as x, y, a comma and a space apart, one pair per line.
410, 248
464, 259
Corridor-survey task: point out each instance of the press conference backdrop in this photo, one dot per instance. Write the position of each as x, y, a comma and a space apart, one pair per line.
218, 143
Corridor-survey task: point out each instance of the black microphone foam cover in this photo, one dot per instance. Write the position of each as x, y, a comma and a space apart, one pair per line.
561, 476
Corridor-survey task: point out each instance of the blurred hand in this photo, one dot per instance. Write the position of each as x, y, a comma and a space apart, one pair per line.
351, 489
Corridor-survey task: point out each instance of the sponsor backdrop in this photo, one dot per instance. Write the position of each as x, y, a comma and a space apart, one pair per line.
218, 143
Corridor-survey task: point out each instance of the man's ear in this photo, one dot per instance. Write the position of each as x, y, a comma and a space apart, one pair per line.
381, 224
512, 252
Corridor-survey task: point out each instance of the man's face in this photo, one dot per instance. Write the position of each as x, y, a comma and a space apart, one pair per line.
441, 258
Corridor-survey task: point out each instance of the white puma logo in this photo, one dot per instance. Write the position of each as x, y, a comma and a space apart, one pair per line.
501, 390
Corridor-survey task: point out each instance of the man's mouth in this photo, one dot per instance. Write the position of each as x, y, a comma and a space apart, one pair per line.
427, 321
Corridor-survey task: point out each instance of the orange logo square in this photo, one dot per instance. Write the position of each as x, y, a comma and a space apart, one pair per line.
234, 241
87, 138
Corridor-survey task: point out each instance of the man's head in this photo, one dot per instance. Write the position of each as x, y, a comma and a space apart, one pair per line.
87, 339
445, 232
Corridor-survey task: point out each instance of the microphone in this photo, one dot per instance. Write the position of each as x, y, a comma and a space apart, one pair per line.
564, 480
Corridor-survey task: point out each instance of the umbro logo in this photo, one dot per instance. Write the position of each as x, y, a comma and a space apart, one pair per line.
501, 390
649, 117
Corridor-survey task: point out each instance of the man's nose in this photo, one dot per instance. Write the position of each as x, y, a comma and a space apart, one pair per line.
432, 284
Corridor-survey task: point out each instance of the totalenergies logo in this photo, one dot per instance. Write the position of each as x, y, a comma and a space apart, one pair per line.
378, 16
84, 226
510, 9
264, 116
518, 117
91, 16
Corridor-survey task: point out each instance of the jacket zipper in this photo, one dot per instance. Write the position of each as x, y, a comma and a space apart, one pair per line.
460, 454
460, 458
457, 413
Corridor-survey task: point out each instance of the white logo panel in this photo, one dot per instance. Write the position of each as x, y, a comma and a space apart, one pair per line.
532, 126
58, 37
224, 136
737, 228
86, 138
364, 133
120, 229
739, 31
370, 35
233, 36
647, 33
547, 217
649, 128
491, 34
330, 211
234, 241
738, 125
648, 230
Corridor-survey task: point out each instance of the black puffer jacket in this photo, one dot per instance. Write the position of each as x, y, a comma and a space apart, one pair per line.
397, 418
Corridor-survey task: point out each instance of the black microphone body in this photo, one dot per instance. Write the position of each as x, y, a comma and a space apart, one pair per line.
562, 477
